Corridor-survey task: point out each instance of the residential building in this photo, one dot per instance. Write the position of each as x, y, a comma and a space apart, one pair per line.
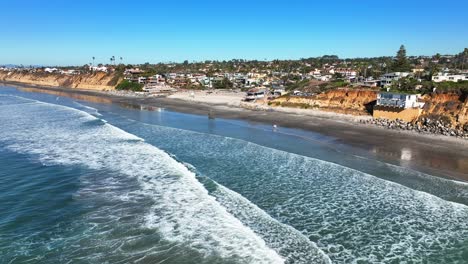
405, 107
446, 77
388, 78
254, 94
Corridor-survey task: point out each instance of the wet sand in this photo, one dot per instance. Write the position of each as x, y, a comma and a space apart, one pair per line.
437, 155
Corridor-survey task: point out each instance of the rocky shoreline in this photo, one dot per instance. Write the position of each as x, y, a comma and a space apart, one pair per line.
424, 125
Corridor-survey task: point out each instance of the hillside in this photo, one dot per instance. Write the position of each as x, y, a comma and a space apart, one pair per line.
95, 81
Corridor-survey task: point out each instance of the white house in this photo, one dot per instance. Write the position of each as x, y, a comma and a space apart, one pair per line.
445, 77
142, 80
388, 78
254, 94
346, 72
96, 68
399, 100
51, 70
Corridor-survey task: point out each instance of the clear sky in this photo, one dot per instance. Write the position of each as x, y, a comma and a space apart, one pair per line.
52, 32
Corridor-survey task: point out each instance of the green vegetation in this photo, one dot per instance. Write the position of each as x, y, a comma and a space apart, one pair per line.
295, 105
408, 85
127, 85
115, 79
461, 86
223, 84
333, 85
401, 63
299, 85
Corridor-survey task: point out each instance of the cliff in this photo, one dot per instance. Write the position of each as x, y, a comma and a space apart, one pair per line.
345, 101
95, 81
451, 107
447, 107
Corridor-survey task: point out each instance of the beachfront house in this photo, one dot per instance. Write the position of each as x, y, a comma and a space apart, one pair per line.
401, 106
254, 94
398, 100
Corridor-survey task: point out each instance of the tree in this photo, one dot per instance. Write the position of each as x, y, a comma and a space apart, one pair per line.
401, 63
223, 84
465, 55
93, 60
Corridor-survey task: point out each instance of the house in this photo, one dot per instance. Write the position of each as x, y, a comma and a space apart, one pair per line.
388, 78
97, 68
142, 80
70, 72
398, 100
51, 70
133, 71
325, 78
417, 70
345, 72
445, 77
254, 94
370, 83
405, 107
279, 92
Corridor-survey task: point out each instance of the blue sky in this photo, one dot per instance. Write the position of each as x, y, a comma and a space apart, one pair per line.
71, 32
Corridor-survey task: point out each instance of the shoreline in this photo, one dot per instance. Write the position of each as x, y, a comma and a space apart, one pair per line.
437, 155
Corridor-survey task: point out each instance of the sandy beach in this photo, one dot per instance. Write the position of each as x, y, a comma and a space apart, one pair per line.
437, 155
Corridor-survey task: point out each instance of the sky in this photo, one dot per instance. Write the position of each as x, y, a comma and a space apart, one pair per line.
51, 32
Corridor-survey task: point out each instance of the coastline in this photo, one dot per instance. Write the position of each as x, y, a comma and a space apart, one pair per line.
434, 154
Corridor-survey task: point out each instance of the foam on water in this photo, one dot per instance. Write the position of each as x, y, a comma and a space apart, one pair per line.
181, 210
351, 215
87, 109
286, 240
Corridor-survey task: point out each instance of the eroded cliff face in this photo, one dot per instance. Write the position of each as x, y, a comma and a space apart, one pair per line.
345, 101
95, 81
448, 106
444, 106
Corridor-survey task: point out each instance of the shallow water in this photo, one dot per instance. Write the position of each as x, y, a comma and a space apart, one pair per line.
89, 182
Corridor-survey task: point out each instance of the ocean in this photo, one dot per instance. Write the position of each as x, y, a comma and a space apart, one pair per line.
87, 182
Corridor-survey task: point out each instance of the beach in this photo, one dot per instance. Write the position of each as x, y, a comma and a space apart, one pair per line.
434, 154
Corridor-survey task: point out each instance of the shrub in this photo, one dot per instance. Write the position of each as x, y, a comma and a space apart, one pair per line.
127, 85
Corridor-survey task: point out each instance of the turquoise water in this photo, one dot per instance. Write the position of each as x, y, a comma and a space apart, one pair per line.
98, 183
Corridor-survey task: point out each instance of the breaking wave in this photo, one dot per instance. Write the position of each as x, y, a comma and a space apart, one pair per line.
178, 206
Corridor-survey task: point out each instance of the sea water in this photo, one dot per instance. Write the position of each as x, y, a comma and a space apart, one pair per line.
84, 182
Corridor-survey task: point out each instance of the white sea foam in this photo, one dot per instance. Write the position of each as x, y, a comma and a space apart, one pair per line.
182, 211
288, 241
88, 109
353, 215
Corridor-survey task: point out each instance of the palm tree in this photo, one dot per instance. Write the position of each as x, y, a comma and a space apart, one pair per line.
121, 59
465, 53
93, 60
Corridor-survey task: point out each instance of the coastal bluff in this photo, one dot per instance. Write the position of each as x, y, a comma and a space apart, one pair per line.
343, 101
449, 107
98, 81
